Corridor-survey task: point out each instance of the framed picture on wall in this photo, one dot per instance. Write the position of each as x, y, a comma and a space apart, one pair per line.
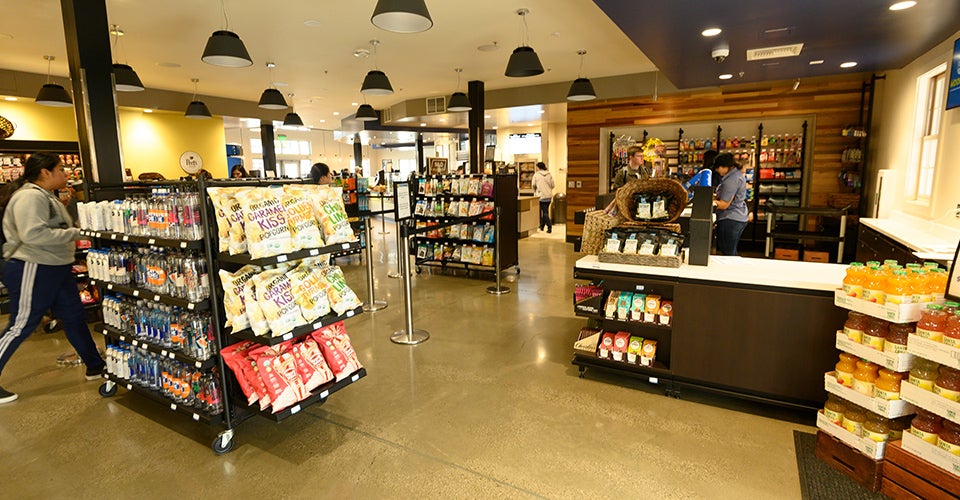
437, 166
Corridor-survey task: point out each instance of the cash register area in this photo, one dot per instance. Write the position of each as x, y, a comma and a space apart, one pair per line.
489, 407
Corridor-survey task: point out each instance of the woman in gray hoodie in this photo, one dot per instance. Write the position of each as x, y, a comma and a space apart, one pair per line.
543, 187
40, 248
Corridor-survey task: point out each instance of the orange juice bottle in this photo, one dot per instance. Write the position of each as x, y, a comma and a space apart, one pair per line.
899, 289
854, 280
938, 284
875, 284
921, 283
889, 263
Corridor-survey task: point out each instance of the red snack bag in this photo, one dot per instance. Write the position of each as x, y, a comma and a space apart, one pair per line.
337, 350
310, 363
235, 357
339, 331
278, 370
256, 376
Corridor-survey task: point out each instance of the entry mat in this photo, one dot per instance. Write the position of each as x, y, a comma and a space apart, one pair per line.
820, 481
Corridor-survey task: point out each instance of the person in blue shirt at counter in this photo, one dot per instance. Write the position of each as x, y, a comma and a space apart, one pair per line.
731, 202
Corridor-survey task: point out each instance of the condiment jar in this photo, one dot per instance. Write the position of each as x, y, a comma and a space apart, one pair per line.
865, 376
926, 426
876, 428
951, 335
924, 373
898, 425
933, 322
887, 385
845, 368
949, 437
897, 334
948, 384
854, 417
834, 409
875, 333
853, 328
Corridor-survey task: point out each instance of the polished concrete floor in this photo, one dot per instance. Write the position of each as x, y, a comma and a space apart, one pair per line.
488, 407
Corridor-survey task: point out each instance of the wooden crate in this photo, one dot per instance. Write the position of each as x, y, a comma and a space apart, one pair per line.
815, 255
908, 476
862, 469
786, 253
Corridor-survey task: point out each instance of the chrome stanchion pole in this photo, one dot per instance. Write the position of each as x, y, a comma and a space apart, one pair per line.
407, 336
401, 252
372, 303
497, 289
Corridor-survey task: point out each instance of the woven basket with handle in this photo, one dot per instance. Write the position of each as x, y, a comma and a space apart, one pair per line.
670, 189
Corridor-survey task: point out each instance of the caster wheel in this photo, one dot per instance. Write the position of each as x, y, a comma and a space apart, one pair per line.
219, 447
518, 270
52, 326
419, 270
107, 389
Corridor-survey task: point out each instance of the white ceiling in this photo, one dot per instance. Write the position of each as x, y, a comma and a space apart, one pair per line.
313, 43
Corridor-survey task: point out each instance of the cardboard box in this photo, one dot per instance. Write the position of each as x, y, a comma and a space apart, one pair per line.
816, 256
786, 253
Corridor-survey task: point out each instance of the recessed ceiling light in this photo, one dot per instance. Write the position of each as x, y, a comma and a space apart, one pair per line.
529, 124
487, 116
816, 61
168, 64
423, 124
280, 84
148, 110
443, 120
725, 76
848, 64
323, 121
903, 5
8, 98
711, 32
354, 104
336, 113
489, 47
494, 127
312, 23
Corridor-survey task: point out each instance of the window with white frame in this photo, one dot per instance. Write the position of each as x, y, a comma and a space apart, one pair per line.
931, 92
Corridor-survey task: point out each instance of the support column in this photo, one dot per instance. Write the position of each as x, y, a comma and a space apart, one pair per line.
269, 152
87, 36
475, 125
358, 154
421, 161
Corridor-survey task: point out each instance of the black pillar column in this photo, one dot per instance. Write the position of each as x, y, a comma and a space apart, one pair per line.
91, 74
269, 153
358, 153
421, 167
475, 126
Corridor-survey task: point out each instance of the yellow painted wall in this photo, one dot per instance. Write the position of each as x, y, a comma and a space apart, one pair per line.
153, 142
34, 122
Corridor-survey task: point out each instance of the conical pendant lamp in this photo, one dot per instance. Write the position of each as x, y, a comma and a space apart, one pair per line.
124, 77
459, 101
366, 113
224, 47
52, 94
402, 16
292, 119
197, 109
581, 89
376, 81
271, 98
524, 61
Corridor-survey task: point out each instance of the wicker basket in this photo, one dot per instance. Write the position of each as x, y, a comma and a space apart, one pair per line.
671, 189
595, 224
640, 260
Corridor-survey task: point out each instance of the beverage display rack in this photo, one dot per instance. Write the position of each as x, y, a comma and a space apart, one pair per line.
235, 410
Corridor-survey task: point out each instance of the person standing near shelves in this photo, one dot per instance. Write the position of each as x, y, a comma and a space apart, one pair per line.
320, 174
731, 196
40, 247
635, 168
543, 188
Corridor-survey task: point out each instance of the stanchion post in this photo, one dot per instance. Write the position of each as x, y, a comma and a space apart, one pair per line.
372, 303
401, 252
497, 289
407, 336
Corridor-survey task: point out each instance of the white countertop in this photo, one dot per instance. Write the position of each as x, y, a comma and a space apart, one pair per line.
917, 234
747, 271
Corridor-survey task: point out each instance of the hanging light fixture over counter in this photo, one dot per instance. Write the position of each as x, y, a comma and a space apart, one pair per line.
459, 101
197, 109
376, 81
581, 89
402, 16
524, 61
52, 94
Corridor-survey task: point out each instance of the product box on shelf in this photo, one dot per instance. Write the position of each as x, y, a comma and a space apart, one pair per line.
897, 362
933, 454
934, 351
866, 446
895, 313
589, 305
931, 402
589, 338
886, 408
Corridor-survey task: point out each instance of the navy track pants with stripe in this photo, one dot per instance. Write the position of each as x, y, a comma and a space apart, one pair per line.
34, 289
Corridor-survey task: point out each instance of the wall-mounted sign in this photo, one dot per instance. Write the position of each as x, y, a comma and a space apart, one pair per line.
191, 162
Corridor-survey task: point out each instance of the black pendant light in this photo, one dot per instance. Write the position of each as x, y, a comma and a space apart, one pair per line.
52, 94
271, 98
224, 47
124, 77
459, 101
402, 16
524, 60
376, 81
366, 113
292, 119
581, 89
197, 109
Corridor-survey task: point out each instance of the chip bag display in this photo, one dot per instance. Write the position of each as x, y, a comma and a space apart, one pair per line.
337, 350
233, 300
329, 210
274, 292
310, 291
310, 363
265, 223
229, 211
342, 297
304, 228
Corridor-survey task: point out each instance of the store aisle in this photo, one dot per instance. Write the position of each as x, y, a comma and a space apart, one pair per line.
490, 406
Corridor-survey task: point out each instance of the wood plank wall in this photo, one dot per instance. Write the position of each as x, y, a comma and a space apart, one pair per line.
835, 101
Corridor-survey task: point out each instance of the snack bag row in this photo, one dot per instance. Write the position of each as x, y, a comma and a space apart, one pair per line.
280, 376
470, 186
636, 306
481, 233
470, 254
623, 347
643, 242
276, 300
276, 220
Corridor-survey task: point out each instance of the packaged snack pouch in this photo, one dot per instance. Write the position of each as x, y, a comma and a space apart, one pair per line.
489, 233
313, 369
638, 307
633, 349
659, 208
276, 299
340, 356
233, 300
342, 297
422, 250
610, 311
463, 209
278, 370
652, 309
649, 245
621, 343
265, 223
644, 208
304, 229
478, 233
487, 258
606, 345
251, 359
223, 221
310, 291
258, 323
630, 244
623, 305
474, 187
456, 253
438, 252
666, 312
452, 208
648, 352
329, 210
486, 187
421, 186
613, 244
234, 356
225, 199
465, 232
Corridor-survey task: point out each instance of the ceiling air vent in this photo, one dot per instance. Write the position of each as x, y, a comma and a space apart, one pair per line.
436, 105
774, 52
386, 115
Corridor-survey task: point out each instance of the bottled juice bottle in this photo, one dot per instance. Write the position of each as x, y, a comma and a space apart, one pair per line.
899, 288
938, 284
874, 285
920, 284
889, 263
951, 336
933, 322
853, 281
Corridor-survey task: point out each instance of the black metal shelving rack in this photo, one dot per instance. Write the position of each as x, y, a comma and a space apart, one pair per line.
235, 410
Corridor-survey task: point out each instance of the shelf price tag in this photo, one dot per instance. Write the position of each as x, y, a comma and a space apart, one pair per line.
324, 394
314, 252
287, 336
294, 409
196, 417
317, 326
135, 343
355, 377
113, 236
350, 314
126, 238
173, 406
191, 306
163, 353
129, 387
346, 246
151, 241
281, 258
183, 244
156, 298
136, 293
110, 286
197, 364
173, 356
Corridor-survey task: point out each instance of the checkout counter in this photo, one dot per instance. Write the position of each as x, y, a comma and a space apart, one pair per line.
907, 239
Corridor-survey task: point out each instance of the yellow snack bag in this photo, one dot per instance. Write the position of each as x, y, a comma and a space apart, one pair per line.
310, 291
329, 210
258, 323
265, 223
303, 225
230, 213
274, 291
233, 300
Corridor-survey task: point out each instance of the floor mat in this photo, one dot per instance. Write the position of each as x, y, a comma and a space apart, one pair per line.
820, 481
